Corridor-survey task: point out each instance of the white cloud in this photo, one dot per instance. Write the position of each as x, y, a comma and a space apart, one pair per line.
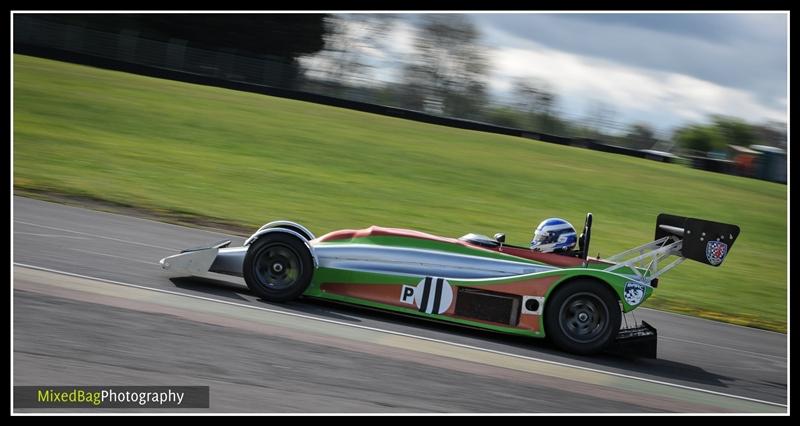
400, 39
742, 51
636, 91
663, 97
382, 52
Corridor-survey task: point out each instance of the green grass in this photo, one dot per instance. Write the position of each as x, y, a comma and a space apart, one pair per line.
175, 147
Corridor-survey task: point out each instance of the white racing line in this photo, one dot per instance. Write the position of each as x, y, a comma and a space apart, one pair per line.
96, 236
326, 320
52, 235
153, 262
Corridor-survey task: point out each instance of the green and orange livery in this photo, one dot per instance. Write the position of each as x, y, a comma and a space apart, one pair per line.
575, 300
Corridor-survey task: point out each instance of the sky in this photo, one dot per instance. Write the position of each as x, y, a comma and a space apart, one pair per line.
664, 69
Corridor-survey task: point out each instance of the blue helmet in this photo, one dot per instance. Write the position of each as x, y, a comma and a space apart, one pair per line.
554, 235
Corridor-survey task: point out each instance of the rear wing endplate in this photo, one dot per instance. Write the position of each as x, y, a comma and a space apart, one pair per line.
704, 241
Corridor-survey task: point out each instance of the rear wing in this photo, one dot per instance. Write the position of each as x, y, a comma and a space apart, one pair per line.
704, 241
700, 240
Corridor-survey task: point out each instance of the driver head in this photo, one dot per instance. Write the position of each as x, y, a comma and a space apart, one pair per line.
554, 235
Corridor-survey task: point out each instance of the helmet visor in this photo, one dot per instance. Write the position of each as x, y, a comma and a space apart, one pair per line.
544, 237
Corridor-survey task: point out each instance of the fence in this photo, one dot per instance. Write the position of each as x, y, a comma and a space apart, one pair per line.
128, 47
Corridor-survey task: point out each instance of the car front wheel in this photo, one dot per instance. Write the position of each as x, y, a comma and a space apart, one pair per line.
278, 267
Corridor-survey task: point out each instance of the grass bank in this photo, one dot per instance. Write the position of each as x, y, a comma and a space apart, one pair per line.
193, 151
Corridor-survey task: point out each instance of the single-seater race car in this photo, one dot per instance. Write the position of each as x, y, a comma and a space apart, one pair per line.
573, 299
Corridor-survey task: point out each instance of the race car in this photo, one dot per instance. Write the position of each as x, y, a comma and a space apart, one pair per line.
575, 300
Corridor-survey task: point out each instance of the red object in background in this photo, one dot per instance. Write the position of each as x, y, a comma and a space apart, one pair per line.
745, 164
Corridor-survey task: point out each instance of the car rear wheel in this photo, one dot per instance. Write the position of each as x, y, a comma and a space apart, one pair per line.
582, 316
278, 267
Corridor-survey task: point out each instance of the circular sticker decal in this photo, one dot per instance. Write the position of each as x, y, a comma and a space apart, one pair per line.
634, 293
433, 295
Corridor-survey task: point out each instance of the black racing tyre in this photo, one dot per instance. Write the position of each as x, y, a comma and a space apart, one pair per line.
582, 316
278, 267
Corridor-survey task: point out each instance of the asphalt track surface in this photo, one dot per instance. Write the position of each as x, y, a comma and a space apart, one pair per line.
93, 307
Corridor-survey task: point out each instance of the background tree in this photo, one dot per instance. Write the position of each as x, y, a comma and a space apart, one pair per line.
601, 118
537, 100
772, 133
352, 43
734, 131
506, 116
449, 66
534, 96
702, 139
640, 136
